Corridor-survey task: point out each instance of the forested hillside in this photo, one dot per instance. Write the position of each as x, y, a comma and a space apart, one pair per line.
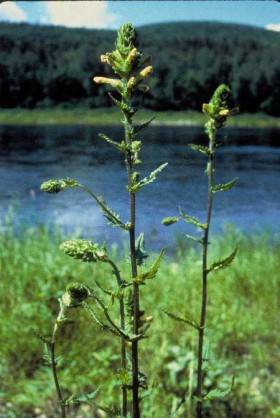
44, 66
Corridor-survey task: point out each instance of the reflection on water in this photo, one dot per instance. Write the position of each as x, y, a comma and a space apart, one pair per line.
31, 155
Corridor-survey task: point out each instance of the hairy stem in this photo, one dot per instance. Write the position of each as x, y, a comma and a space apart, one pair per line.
132, 203
123, 343
210, 170
53, 361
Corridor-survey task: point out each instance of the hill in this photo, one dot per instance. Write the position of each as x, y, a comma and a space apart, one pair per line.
46, 66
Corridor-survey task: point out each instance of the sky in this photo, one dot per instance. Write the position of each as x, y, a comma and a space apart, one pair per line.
112, 14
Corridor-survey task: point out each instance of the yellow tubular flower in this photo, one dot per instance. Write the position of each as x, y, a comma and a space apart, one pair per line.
111, 81
146, 71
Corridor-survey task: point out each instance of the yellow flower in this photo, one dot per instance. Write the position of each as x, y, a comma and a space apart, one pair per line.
111, 81
146, 71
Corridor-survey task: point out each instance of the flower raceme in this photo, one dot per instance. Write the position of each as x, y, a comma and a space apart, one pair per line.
126, 63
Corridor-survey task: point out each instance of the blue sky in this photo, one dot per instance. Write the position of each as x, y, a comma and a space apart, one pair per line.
111, 14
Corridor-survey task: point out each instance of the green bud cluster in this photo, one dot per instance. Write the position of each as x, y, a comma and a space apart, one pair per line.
84, 250
126, 63
56, 186
219, 108
75, 294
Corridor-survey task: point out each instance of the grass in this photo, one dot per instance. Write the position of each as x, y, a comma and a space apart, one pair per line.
242, 330
110, 116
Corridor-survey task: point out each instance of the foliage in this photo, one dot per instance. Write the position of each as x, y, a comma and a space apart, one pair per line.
44, 66
242, 332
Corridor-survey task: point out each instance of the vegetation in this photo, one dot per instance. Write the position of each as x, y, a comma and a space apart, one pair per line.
110, 116
158, 371
132, 70
43, 66
218, 109
243, 338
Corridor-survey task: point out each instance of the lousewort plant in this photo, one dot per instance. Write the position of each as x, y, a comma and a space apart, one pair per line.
218, 109
131, 71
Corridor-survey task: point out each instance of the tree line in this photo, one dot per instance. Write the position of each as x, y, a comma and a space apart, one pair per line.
47, 66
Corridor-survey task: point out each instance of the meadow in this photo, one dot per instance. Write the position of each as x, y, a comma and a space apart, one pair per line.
242, 331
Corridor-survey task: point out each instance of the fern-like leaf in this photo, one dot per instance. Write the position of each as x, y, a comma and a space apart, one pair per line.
147, 180
201, 149
117, 145
224, 187
112, 217
225, 262
181, 319
152, 272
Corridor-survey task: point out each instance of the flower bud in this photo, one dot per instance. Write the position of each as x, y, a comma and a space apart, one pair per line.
80, 250
131, 82
146, 71
132, 55
105, 58
75, 294
53, 186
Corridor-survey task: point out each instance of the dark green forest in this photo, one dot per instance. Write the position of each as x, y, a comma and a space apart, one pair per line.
46, 66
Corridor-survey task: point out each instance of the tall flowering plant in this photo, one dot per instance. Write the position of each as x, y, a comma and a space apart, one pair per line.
220, 107
131, 71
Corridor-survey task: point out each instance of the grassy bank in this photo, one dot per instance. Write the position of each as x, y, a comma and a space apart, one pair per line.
110, 116
242, 330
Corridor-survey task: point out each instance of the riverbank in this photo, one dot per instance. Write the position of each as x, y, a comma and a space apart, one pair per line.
111, 116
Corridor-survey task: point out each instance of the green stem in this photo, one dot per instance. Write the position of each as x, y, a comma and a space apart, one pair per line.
210, 170
53, 361
132, 203
123, 343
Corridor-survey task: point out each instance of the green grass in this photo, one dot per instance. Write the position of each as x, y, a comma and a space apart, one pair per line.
242, 328
110, 116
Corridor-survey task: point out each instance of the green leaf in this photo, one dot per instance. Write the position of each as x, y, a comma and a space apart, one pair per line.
181, 319
217, 393
124, 376
114, 411
46, 340
192, 220
119, 146
88, 397
147, 180
170, 220
223, 187
122, 105
141, 253
142, 126
103, 326
201, 148
152, 272
199, 240
112, 217
217, 265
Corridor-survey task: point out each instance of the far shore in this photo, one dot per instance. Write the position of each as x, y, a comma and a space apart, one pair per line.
111, 116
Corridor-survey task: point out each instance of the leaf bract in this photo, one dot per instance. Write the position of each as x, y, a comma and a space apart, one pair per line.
220, 264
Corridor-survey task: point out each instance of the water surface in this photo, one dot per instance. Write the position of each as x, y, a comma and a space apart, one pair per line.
31, 155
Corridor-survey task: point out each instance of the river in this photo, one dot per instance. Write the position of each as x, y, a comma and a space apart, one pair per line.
31, 155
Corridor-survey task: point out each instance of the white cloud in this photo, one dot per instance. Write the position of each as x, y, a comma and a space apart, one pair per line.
273, 26
10, 12
88, 14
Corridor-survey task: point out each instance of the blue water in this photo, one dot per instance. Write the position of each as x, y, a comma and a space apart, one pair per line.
31, 155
